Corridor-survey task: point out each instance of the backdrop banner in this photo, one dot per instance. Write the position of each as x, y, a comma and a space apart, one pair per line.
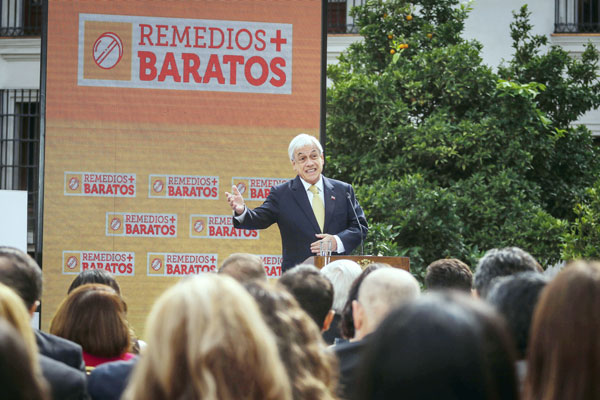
153, 110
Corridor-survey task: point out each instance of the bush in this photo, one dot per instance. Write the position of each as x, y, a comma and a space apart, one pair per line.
448, 157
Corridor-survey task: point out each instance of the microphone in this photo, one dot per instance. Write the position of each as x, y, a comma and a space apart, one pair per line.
362, 250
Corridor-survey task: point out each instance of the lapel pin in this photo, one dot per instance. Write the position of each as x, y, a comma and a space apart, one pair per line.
332, 197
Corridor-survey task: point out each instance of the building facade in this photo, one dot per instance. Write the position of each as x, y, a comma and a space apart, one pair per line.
568, 23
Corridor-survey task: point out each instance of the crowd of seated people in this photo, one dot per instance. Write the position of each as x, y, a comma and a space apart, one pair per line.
504, 331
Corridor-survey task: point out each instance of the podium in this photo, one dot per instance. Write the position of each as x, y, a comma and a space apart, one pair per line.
396, 262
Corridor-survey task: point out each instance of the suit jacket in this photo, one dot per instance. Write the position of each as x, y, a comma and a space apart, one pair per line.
108, 381
66, 383
349, 355
60, 349
334, 330
288, 206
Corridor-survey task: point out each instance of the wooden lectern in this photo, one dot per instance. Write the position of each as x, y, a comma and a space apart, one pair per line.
396, 262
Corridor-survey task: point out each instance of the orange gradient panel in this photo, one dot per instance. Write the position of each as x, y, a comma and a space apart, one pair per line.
111, 138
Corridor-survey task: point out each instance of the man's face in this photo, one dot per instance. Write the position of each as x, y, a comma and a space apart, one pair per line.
308, 163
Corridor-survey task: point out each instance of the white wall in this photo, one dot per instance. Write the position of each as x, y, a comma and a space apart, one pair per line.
489, 23
20, 63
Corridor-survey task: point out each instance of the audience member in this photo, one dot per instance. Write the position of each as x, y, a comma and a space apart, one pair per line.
311, 367
441, 346
341, 274
313, 292
448, 273
243, 267
207, 340
94, 316
18, 376
381, 291
347, 322
65, 382
502, 262
515, 298
564, 351
103, 277
109, 380
95, 276
21, 273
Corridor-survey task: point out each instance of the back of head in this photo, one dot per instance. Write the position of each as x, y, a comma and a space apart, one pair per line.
312, 290
21, 273
449, 273
384, 290
95, 276
18, 378
243, 267
438, 346
515, 298
341, 274
347, 322
94, 316
311, 368
564, 351
207, 340
502, 262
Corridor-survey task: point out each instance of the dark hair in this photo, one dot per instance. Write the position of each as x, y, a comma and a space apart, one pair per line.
312, 290
243, 267
312, 369
17, 376
21, 273
563, 361
502, 262
94, 316
347, 321
449, 273
442, 345
95, 276
515, 298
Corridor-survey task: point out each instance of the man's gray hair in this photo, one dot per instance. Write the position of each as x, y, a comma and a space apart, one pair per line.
303, 140
341, 274
385, 289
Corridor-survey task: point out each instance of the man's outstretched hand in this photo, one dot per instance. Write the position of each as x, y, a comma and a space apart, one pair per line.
235, 200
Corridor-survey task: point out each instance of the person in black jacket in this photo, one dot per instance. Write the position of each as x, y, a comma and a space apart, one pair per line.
61, 360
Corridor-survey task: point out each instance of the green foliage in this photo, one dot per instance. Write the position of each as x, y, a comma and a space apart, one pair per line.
449, 158
583, 238
572, 88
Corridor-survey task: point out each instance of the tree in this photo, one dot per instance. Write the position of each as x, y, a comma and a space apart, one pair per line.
448, 157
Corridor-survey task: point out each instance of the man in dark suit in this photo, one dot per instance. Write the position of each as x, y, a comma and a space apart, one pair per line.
308, 209
109, 380
381, 292
61, 360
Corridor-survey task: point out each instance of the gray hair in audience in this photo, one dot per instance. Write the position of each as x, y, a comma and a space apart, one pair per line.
341, 274
502, 262
384, 289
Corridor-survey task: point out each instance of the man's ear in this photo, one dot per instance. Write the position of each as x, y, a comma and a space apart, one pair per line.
328, 319
358, 315
34, 307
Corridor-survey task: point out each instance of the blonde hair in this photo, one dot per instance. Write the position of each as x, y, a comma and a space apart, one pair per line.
207, 340
14, 311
